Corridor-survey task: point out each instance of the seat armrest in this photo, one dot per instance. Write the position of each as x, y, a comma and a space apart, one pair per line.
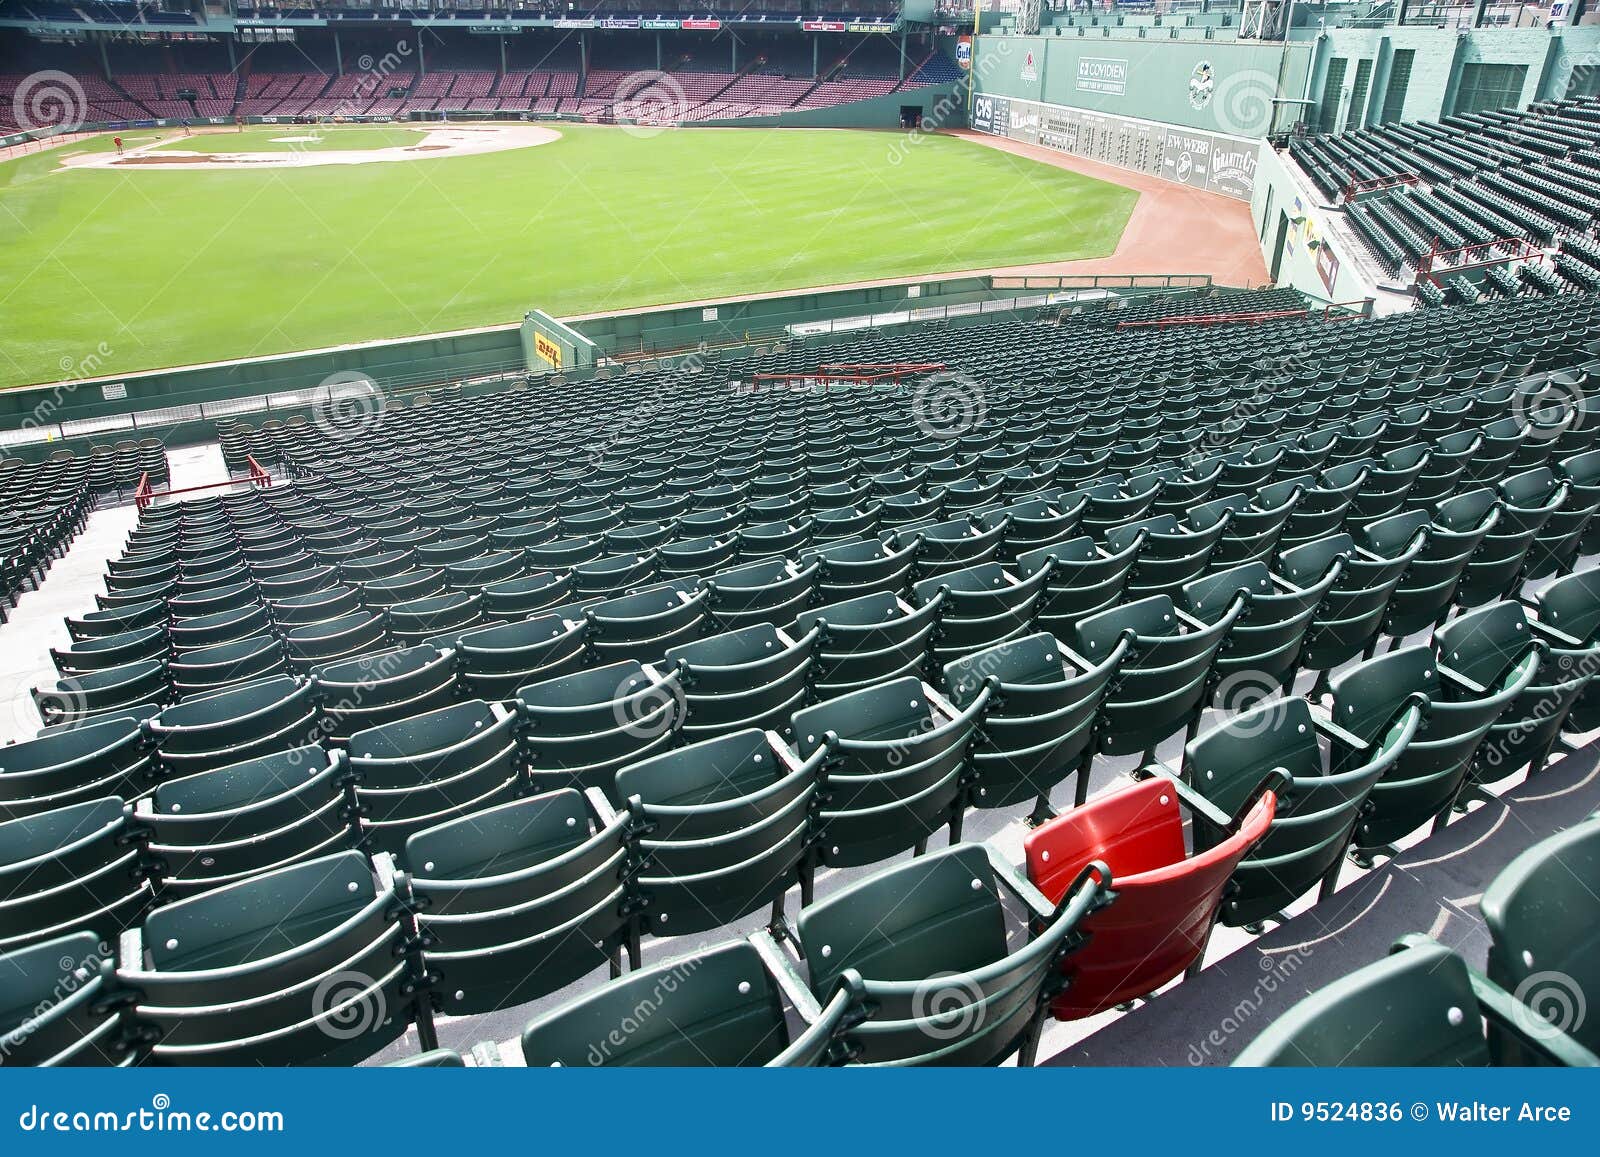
1448, 674
601, 806
1325, 724
783, 972
1019, 885
1201, 808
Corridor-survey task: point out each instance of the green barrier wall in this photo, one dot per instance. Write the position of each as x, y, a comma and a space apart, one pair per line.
684, 327
1212, 85
547, 344
880, 112
393, 365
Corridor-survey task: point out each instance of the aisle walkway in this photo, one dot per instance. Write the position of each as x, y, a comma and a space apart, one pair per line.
37, 622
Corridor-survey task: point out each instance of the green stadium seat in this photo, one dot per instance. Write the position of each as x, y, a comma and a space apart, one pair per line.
238, 723
893, 770
1164, 681
929, 941
1543, 918
1039, 726
578, 729
67, 870
55, 1009
1419, 1007
519, 899
726, 829
1317, 809
216, 827
754, 677
383, 688
302, 965
425, 769
719, 1007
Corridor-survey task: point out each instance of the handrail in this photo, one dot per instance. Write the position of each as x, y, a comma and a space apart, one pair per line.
259, 478
1376, 184
1497, 252
891, 372
1215, 319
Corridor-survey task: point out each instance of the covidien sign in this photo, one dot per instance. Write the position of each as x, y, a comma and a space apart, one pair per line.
1103, 75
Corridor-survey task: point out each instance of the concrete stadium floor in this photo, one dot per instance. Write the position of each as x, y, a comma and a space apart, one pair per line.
1433, 887
37, 622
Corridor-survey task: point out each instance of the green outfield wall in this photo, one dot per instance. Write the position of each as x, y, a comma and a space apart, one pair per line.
1217, 86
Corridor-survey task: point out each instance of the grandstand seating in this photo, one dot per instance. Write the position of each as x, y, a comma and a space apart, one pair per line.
1408, 1009
663, 674
1495, 181
602, 93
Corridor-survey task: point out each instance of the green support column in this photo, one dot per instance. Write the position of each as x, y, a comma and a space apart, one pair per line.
658, 52
583, 62
338, 54
105, 61
816, 54
502, 55
902, 52
734, 41
233, 58
422, 59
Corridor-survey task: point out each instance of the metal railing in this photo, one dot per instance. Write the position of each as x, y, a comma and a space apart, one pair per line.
395, 388
146, 494
1377, 184
854, 373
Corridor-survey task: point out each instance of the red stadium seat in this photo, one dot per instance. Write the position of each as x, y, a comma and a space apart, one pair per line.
1166, 899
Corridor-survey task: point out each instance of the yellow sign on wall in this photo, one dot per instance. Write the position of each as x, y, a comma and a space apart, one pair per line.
548, 351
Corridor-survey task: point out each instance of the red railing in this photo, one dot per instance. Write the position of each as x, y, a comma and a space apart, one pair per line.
1341, 310
146, 494
1215, 319
1481, 256
1376, 184
858, 372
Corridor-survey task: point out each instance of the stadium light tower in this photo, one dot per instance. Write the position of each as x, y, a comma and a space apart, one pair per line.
1265, 19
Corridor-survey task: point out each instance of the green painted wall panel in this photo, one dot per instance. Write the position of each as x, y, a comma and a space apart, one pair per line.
1213, 85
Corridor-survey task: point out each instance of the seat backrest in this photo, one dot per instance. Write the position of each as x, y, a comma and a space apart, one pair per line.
68, 765
1544, 928
69, 869
718, 1007
518, 899
298, 965
53, 1011
1482, 644
1166, 899
1571, 604
1413, 1008
725, 828
937, 913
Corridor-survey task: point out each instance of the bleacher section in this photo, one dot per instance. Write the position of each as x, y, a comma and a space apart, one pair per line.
690, 94
504, 687
1486, 185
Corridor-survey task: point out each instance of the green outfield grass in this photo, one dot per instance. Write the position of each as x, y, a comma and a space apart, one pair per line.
287, 138
153, 268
